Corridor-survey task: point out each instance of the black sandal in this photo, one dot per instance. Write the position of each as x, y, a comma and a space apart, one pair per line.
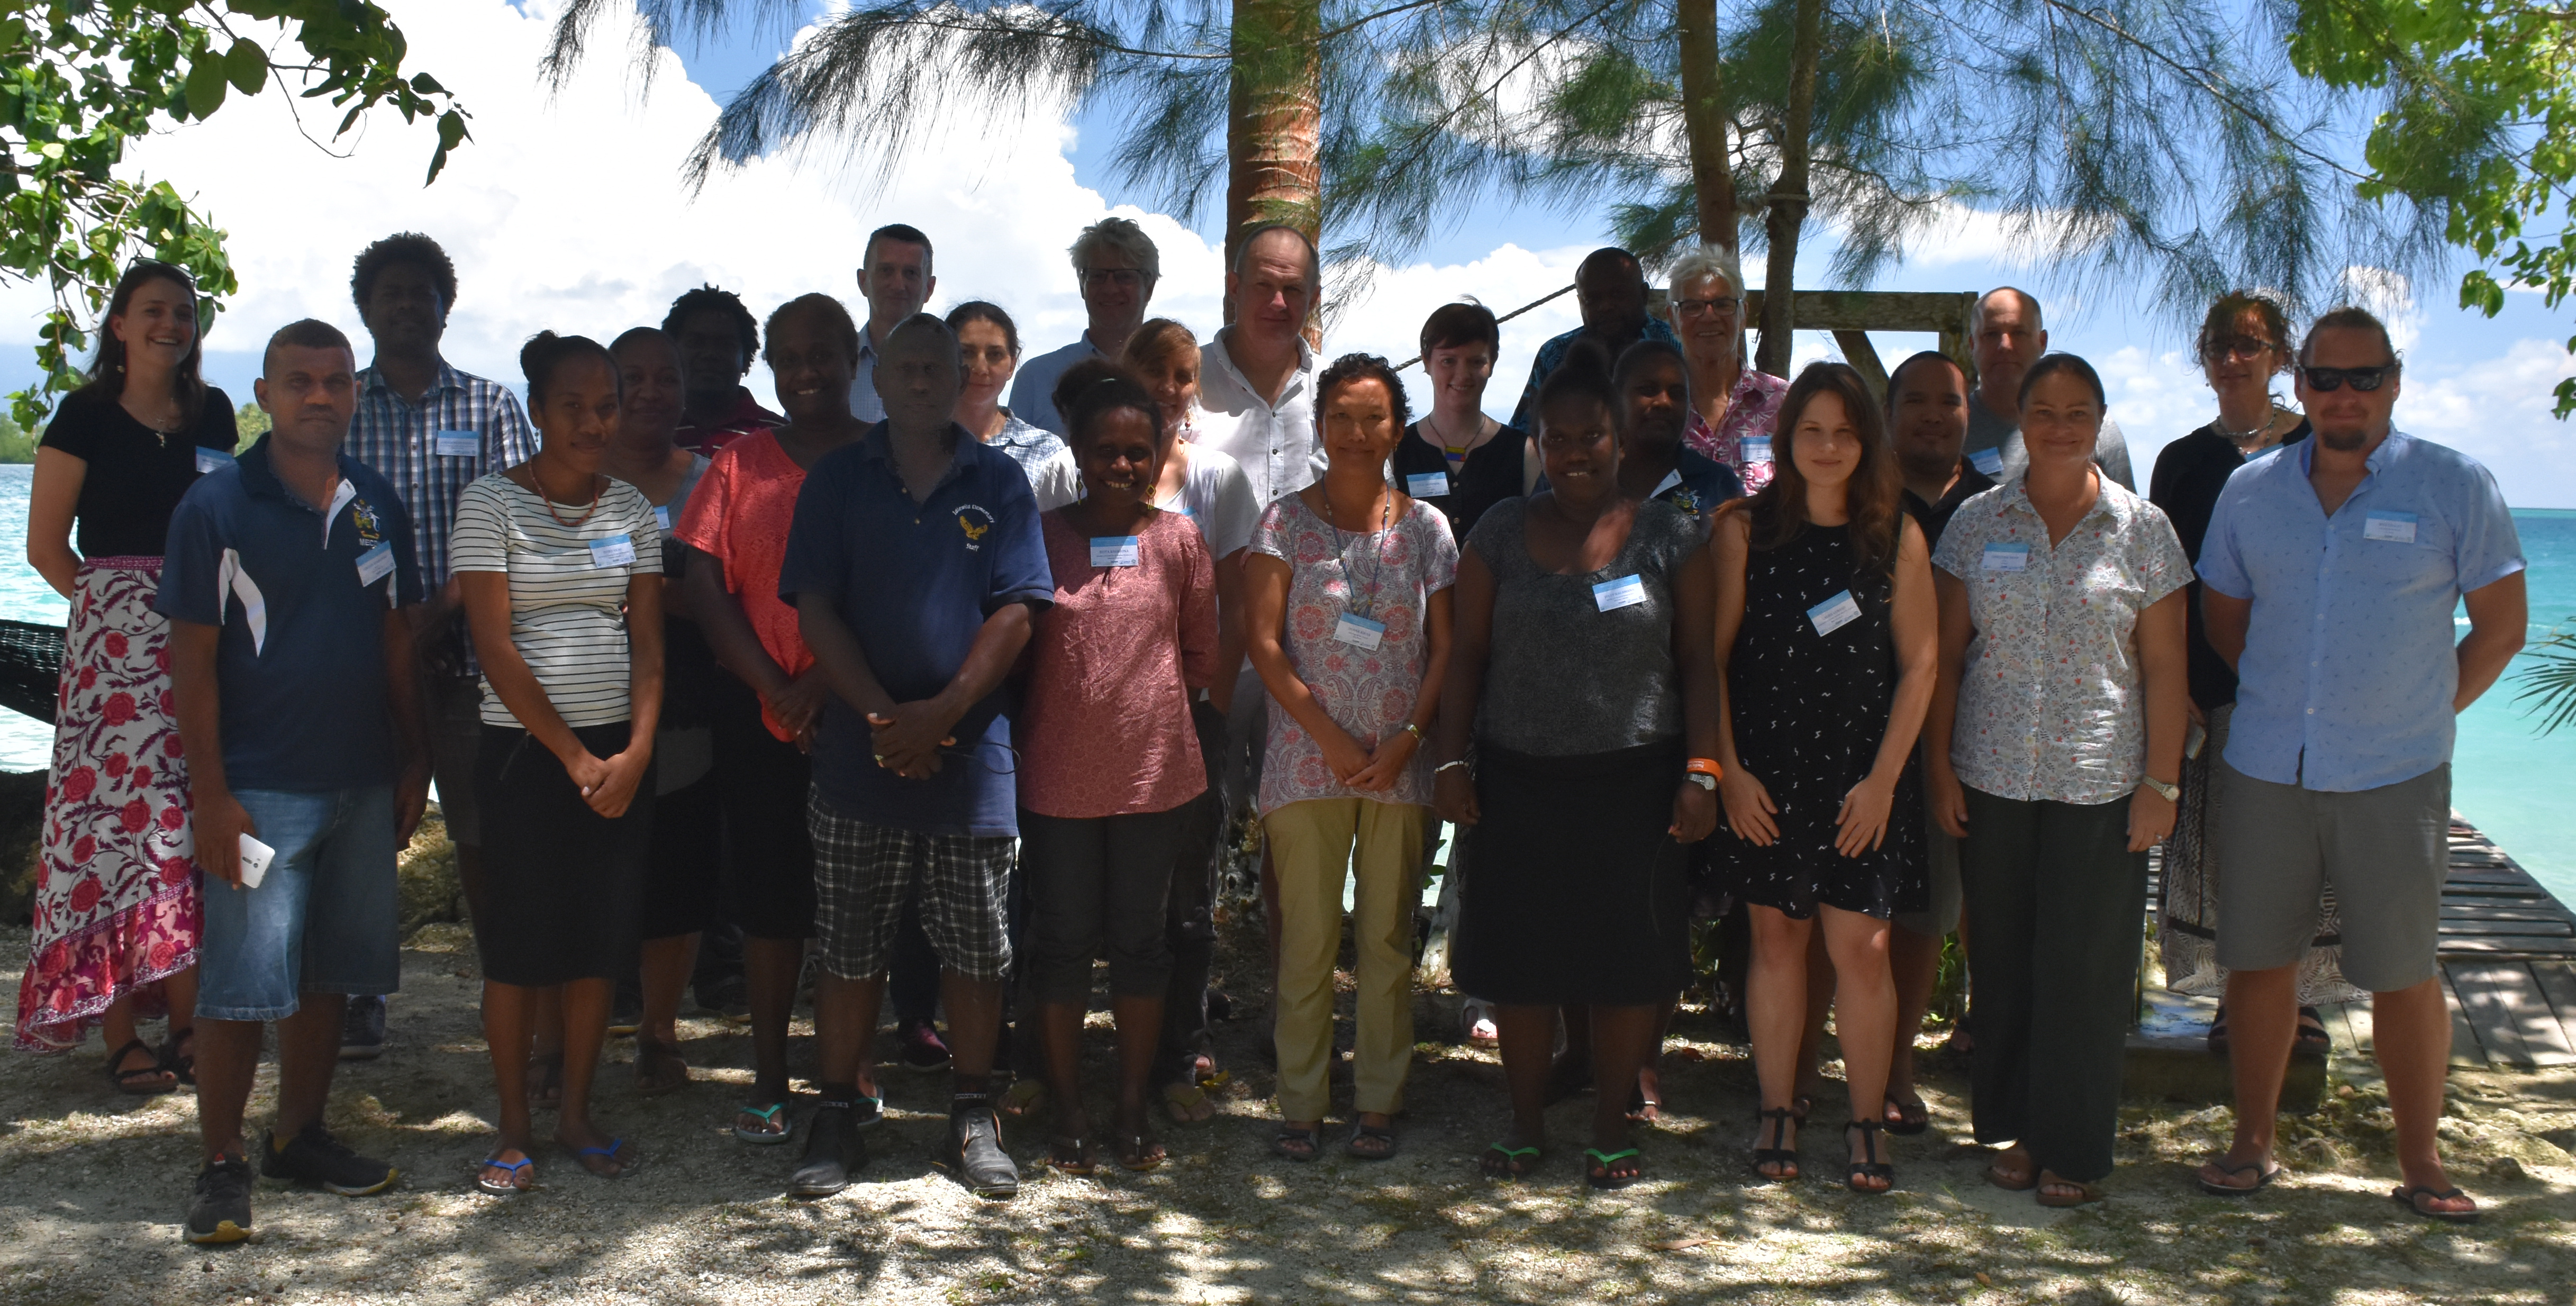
2218, 1031
182, 1064
1361, 1143
1289, 1140
1873, 1168
1069, 1154
2313, 1035
126, 1081
1912, 1118
1781, 1118
2407, 1194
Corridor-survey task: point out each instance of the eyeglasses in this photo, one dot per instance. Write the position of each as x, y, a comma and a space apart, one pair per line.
2228, 348
1123, 278
1706, 307
2364, 379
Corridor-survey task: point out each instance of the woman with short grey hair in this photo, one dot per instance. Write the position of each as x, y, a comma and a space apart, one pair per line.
1732, 406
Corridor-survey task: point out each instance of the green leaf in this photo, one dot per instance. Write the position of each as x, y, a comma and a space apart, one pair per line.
205, 87
246, 65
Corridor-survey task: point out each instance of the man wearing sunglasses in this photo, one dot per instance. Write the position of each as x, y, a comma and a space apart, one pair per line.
2330, 572
2007, 338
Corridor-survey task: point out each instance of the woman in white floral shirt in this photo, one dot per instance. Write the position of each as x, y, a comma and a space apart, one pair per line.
2062, 697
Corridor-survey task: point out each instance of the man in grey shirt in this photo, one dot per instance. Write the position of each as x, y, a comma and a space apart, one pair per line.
2008, 339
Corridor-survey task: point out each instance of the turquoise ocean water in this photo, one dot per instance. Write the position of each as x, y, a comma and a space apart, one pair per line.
2514, 784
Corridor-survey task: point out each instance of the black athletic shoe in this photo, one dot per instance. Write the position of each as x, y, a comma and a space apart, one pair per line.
975, 1152
219, 1211
315, 1157
833, 1151
921, 1047
362, 1030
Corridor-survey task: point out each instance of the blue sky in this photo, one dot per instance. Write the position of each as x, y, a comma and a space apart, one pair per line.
563, 213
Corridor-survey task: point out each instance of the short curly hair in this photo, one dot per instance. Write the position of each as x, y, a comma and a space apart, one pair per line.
708, 299
1350, 368
403, 247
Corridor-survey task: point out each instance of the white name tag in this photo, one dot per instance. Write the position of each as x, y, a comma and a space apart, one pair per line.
1625, 592
1670, 480
1757, 448
212, 460
376, 563
1989, 462
1118, 551
614, 551
1834, 613
2005, 555
2383, 524
1358, 631
457, 444
662, 518
1427, 485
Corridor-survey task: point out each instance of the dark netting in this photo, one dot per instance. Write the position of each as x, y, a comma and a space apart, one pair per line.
31, 668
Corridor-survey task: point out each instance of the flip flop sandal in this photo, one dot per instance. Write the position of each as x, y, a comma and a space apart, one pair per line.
1287, 1142
184, 1065
1179, 1100
866, 1112
1995, 1175
1137, 1152
2312, 1031
2085, 1194
1069, 1154
1913, 1118
1511, 1166
2262, 1179
768, 1114
1369, 1134
1644, 1110
1872, 1168
2218, 1031
1784, 1157
1605, 1163
124, 1080
2406, 1195
1023, 1097
609, 1153
511, 1189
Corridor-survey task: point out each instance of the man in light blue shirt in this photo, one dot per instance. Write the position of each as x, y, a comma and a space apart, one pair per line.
895, 279
2330, 574
1116, 265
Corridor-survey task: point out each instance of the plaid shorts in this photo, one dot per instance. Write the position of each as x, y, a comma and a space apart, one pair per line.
863, 873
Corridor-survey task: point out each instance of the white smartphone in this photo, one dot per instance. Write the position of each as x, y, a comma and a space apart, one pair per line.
255, 857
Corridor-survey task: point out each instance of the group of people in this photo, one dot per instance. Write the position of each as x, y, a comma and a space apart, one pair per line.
955, 673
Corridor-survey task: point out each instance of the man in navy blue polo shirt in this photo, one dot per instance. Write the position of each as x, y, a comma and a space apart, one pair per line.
915, 564
291, 667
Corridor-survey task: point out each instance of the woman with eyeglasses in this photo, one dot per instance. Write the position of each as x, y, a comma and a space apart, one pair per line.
2244, 345
1732, 405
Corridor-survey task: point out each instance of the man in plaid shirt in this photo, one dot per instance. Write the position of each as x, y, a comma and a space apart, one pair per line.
431, 430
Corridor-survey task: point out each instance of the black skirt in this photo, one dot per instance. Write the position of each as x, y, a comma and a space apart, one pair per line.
1574, 891
564, 886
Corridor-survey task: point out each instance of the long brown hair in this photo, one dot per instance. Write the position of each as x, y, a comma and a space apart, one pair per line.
1870, 496
107, 370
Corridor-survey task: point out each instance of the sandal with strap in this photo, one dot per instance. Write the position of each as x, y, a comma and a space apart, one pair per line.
151, 1080
2313, 1035
1139, 1151
2406, 1196
1604, 1170
1365, 1143
768, 1115
2262, 1178
1022, 1099
1506, 1162
2085, 1193
1069, 1154
1187, 1104
625, 1165
510, 1189
1786, 1158
1911, 1117
181, 1064
1872, 1168
1300, 1145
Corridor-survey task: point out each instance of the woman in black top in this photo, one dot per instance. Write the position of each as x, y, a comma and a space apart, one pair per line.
2244, 344
116, 901
1457, 459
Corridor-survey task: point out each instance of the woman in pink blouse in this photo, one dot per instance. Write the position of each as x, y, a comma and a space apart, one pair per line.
1109, 762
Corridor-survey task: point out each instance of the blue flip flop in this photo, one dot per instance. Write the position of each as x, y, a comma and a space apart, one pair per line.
496, 1163
624, 1168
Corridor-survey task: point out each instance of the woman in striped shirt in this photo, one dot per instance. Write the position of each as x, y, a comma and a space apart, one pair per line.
562, 574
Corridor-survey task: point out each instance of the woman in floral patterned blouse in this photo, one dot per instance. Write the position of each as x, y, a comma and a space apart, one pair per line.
2061, 696
1733, 406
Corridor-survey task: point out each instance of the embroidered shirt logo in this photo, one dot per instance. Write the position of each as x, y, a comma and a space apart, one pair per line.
370, 531
976, 523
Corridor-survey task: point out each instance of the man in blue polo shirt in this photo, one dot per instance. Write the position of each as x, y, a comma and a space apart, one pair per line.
291, 666
915, 564
2330, 572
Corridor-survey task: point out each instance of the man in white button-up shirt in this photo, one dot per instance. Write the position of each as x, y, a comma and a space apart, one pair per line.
1257, 377
895, 278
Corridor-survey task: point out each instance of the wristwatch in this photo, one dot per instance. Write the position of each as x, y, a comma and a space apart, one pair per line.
2170, 793
1703, 772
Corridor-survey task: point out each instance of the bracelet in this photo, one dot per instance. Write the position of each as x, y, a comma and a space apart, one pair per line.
1416, 732
1447, 765
1705, 766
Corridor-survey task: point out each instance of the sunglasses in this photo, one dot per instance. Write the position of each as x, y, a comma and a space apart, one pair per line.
2364, 379
2228, 348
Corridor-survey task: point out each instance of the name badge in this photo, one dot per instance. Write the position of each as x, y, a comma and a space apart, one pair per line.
1358, 631
376, 563
1670, 480
2007, 555
1757, 448
662, 518
2383, 524
1989, 462
457, 444
1625, 592
614, 551
1834, 613
1427, 485
212, 460
1119, 551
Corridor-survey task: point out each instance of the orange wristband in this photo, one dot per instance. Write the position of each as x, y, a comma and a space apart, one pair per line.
1705, 766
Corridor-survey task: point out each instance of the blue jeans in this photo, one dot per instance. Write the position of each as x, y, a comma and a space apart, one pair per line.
324, 920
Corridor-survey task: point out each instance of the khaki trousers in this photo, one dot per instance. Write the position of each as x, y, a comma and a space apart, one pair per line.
1310, 844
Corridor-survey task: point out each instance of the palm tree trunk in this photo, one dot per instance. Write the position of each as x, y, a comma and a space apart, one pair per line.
1274, 132
1788, 206
1704, 121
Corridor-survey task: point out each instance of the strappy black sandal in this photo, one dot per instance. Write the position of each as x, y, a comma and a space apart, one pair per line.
142, 1081
1873, 1168
1781, 1118
182, 1064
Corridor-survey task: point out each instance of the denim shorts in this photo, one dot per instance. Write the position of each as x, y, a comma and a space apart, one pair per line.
325, 918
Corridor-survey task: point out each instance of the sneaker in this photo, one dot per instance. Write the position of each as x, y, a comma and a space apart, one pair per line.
833, 1149
362, 1030
975, 1152
728, 996
219, 1211
315, 1157
922, 1048
626, 1011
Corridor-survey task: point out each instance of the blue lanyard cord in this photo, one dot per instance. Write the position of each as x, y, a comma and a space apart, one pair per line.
1377, 551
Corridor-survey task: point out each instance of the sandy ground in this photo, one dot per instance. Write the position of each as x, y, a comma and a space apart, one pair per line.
92, 1187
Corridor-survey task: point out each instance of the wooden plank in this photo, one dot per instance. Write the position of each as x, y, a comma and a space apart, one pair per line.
2358, 1016
2500, 946
2466, 1051
2557, 981
2497, 1007
2486, 925
2551, 1040
1872, 310
1863, 356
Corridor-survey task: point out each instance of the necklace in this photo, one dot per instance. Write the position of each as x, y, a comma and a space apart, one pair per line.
1456, 453
2219, 424
549, 501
